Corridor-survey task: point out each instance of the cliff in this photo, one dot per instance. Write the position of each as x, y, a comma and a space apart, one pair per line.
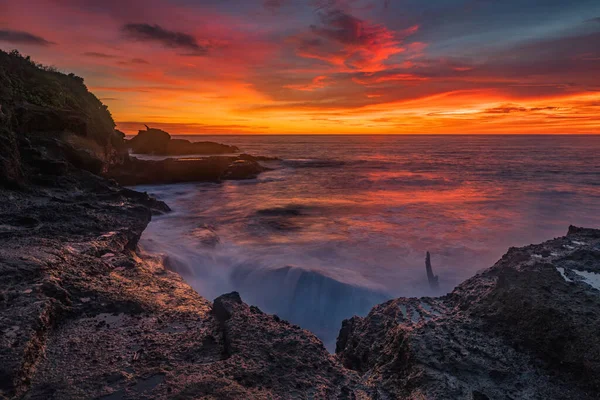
49, 122
83, 315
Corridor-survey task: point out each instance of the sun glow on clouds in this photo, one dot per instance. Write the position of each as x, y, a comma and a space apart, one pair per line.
318, 66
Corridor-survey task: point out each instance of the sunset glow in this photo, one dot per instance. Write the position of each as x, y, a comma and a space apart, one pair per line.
324, 66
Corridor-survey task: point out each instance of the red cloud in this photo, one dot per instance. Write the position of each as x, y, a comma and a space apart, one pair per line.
352, 43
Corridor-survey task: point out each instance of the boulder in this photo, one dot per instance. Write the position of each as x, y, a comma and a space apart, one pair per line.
242, 169
158, 142
150, 141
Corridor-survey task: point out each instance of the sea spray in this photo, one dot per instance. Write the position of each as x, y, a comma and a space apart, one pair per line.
343, 221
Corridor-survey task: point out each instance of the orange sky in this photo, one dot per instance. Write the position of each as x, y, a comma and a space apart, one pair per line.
324, 66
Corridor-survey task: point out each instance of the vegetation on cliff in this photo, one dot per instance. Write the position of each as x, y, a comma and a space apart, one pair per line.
46, 115
23, 81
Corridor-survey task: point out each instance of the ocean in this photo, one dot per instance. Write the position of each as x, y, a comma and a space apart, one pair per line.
342, 223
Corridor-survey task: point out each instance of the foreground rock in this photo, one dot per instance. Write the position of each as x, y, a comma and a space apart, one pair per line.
83, 316
158, 142
527, 328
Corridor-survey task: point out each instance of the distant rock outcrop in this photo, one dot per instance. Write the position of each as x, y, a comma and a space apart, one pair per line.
158, 142
171, 170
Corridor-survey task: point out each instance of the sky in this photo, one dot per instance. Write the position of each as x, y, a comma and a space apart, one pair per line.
324, 66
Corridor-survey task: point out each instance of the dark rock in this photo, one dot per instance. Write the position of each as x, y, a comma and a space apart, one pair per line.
10, 161
521, 329
178, 147
158, 142
431, 278
150, 141
207, 169
250, 157
242, 169
223, 306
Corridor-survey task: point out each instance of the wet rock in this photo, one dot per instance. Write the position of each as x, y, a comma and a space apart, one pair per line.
242, 169
431, 278
250, 157
207, 169
521, 329
223, 306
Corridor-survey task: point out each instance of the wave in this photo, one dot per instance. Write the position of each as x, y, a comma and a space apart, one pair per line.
309, 298
313, 163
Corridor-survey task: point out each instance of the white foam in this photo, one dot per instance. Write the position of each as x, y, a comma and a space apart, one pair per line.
591, 278
403, 310
578, 243
415, 316
562, 272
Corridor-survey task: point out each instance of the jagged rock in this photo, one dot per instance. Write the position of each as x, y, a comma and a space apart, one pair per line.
45, 120
223, 306
159, 142
11, 173
526, 328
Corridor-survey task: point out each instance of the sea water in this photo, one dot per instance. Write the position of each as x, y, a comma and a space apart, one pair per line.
342, 223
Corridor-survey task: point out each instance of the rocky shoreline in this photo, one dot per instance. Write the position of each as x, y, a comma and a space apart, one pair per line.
84, 315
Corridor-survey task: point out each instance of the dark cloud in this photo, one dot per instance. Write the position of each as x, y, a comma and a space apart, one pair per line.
510, 108
273, 4
170, 39
20, 37
134, 61
342, 39
344, 28
99, 55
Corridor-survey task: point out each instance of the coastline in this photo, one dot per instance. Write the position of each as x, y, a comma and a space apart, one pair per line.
87, 309
83, 314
